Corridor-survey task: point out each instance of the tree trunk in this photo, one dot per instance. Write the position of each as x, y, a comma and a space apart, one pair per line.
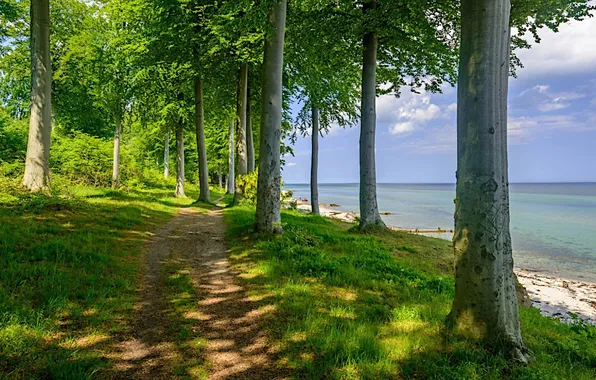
250, 147
37, 168
180, 160
219, 176
201, 148
116, 167
268, 217
241, 116
314, 163
166, 156
485, 305
369, 209
231, 171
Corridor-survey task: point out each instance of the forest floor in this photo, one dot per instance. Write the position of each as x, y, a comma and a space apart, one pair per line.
137, 284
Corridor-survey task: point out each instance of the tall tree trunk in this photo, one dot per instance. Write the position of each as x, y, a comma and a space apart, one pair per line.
201, 148
314, 163
241, 116
180, 160
219, 176
116, 167
369, 209
231, 171
485, 305
166, 156
37, 168
268, 217
250, 147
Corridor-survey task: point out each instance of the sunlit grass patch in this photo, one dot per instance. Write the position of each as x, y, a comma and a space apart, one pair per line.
371, 306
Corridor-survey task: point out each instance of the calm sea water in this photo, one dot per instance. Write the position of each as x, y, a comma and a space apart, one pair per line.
553, 225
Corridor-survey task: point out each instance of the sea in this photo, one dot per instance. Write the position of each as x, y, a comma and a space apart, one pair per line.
553, 225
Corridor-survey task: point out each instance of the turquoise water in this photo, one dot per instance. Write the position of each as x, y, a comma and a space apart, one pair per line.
553, 225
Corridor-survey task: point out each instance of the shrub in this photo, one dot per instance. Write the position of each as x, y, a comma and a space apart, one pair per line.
248, 183
86, 160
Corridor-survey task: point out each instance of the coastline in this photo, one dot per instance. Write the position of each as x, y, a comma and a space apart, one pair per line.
570, 301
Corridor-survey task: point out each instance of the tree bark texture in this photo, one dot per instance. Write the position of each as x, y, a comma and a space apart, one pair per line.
37, 168
201, 148
485, 305
314, 163
219, 176
180, 160
268, 217
231, 171
116, 166
369, 209
242, 168
166, 156
250, 147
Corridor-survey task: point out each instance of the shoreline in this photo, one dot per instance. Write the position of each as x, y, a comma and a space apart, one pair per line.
570, 301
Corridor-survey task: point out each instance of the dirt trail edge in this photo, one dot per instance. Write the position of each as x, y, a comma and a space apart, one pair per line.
234, 344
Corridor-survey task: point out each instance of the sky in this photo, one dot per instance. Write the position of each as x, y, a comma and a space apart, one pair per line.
551, 124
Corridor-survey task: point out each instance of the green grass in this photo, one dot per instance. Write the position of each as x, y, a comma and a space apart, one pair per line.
351, 306
69, 272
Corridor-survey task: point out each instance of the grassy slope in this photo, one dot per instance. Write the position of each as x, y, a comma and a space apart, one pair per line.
69, 274
349, 305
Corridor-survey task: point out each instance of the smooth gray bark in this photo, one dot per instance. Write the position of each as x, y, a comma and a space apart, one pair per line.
369, 209
166, 156
201, 148
180, 160
116, 166
250, 147
219, 176
268, 217
485, 305
242, 168
314, 163
37, 168
231, 171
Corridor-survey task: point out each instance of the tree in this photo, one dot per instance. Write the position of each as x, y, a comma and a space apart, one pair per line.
37, 169
268, 217
250, 146
201, 147
242, 168
314, 163
231, 171
485, 303
166, 156
180, 160
369, 209
322, 75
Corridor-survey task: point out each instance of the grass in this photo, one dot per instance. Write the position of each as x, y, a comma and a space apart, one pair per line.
354, 306
70, 267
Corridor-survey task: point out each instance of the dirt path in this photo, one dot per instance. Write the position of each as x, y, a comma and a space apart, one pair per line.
222, 316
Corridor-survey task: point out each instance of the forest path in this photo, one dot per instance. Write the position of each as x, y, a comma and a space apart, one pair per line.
210, 329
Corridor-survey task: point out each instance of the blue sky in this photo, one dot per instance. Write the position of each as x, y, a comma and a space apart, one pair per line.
552, 124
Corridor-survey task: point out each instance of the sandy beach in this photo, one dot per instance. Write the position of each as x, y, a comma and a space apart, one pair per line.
567, 300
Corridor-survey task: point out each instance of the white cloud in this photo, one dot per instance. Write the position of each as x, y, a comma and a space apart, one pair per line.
409, 112
290, 164
541, 98
402, 128
570, 51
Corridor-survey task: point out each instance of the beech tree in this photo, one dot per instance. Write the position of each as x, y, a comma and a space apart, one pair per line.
322, 75
37, 169
485, 306
268, 217
485, 303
